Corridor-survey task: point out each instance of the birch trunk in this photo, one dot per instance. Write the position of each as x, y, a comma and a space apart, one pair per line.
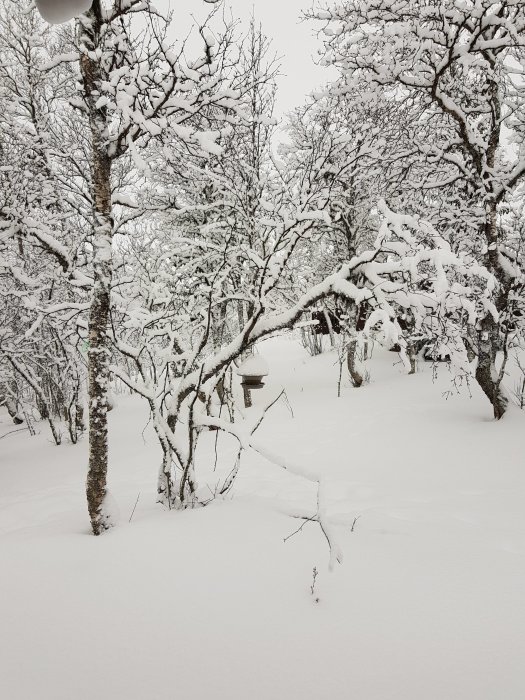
98, 353
487, 375
489, 331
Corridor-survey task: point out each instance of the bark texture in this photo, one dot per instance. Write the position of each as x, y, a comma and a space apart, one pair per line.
486, 373
489, 332
352, 363
98, 353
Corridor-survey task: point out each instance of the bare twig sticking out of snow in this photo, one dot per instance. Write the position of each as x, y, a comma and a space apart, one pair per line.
300, 528
133, 511
315, 573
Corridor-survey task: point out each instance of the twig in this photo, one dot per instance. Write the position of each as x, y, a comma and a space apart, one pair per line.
246, 441
312, 587
18, 430
265, 410
287, 400
133, 511
306, 520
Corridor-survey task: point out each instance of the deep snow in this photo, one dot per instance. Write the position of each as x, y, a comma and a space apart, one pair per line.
211, 603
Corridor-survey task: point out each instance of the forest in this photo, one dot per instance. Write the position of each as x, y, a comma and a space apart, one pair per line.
285, 340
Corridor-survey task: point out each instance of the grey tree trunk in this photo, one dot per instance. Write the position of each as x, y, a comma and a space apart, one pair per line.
489, 330
486, 373
352, 363
165, 486
98, 353
354, 354
412, 357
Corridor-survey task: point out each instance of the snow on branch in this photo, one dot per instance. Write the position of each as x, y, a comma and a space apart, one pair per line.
244, 434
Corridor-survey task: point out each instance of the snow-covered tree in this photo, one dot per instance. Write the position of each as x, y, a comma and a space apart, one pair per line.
43, 232
134, 89
455, 68
69, 198
334, 155
218, 253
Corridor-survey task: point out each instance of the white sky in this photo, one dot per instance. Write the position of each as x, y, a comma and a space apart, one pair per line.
293, 40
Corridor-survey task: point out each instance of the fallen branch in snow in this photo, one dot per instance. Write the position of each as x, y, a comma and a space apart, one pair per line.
246, 442
228, 483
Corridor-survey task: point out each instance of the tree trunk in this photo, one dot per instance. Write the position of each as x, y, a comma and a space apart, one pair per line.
98, 353
489, 331
354, 354
165, 486
352, 363
330, 328
412, 357
486, 373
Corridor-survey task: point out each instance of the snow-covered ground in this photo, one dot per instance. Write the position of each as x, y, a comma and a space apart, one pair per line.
212, 603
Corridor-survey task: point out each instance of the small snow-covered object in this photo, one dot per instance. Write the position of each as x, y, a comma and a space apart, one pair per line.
252, 370
59, 11
255, 365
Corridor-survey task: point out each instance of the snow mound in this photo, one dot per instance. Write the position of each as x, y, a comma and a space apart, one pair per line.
59, 11
253, 366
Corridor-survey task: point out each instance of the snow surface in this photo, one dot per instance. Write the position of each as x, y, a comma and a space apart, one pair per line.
212, 603
60, 11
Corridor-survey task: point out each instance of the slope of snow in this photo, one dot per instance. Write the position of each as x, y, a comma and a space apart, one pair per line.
212, 603
60, 11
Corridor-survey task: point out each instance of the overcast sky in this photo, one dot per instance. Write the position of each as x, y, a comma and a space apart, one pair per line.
294, 41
